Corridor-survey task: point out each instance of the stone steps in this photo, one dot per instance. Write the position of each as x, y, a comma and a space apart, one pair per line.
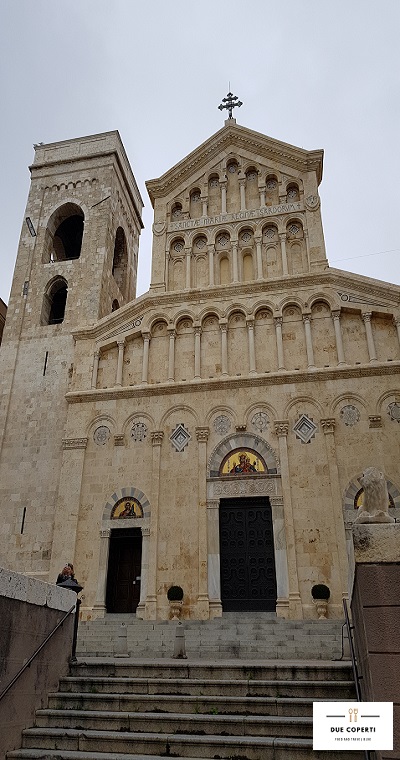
255, 636
125, 709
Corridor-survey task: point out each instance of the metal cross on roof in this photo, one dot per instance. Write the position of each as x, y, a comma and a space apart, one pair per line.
231, 101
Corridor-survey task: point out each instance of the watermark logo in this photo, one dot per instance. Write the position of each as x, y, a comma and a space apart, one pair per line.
353, 725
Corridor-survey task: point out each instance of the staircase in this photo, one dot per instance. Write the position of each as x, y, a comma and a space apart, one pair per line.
127, 708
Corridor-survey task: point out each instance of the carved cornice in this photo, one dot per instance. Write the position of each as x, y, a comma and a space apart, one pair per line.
111, 325
74, 443
273, 150
226, 383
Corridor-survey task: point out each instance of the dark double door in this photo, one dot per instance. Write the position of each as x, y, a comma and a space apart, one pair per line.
124, 567
248, 576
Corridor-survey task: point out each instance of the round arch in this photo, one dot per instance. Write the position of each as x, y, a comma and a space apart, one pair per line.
242, 440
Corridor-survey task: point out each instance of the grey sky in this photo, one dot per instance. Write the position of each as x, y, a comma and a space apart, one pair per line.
317, 74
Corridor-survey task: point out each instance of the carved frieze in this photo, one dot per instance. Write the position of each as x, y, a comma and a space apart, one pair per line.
74, 443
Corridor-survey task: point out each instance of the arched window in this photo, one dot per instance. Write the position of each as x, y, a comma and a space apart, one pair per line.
54, 302
120, 260
114, 305
64, 234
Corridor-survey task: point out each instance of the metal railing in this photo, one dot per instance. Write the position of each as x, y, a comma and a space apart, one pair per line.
42, 645
356, 676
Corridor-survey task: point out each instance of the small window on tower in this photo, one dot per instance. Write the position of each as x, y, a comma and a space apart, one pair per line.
54, 302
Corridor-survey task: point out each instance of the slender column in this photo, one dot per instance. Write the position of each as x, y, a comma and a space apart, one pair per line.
396, 321
223, 326
259, 258
204, 201
151, 599
211, 265
145, 366
197, 346
307, 239
338, 337
120, 363
235, 261
171, 355
214, 574
188, 258
242, 188
202, 434
309, 345
144, 572
68, 502
282, 238
262, 196
328, 426
100, 602
223, 197
279, 342
252, 351
370, 338
95, 370
295, 606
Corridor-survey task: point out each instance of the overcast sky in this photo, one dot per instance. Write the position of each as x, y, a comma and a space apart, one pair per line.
313, 73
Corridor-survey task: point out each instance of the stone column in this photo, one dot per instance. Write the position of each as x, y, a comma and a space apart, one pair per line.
188, 262
95, 370
309, 345
262, 196
145, 366
396, 322
144, 572
223, 196
235, 261
202, 434
151, 599
307, 239
252, 351
338, 337
211, 265
204, 201
328, 426
197, 349
99, 607
68, 503
120, 363
214, 573
282, 238
259, 258
295, 606
370, 338
223, 326
242, 188
279, 342
171, 355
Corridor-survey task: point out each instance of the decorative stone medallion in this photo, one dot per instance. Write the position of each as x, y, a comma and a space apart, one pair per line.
214, 182
222, 424
312, 202
200, 243
294, 229
178, 246
222, 240
292, 193
139, 431
245, 237
269, 232
271, 184
180, 437
305, 429
350, 415
394, 411
101, 435
260, 421
195, 196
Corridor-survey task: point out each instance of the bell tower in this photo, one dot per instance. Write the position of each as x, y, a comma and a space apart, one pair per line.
76, 264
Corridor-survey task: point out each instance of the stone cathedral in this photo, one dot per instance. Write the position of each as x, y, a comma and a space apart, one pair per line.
211, 433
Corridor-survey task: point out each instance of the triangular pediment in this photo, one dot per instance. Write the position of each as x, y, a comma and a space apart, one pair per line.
235, 138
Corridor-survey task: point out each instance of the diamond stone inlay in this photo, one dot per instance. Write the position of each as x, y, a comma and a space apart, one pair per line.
180, 437
305, 429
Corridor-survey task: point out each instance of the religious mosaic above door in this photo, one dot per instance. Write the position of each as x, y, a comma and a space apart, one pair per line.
243, 462
127, 507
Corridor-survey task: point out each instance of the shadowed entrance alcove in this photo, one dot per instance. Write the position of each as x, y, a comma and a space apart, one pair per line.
246, 528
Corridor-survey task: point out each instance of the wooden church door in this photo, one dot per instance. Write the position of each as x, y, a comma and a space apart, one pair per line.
124, 568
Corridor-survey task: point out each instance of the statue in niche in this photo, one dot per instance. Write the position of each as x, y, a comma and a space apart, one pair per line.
375, 506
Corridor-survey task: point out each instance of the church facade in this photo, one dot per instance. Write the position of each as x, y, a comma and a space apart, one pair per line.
211, 433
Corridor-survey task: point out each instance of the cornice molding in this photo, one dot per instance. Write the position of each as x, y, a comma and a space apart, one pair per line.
296, 158
339, 373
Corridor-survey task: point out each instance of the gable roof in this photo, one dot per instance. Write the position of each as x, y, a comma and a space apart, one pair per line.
232, 134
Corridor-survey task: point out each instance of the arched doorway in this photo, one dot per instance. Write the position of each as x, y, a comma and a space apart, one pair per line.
245, 525
124, 570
